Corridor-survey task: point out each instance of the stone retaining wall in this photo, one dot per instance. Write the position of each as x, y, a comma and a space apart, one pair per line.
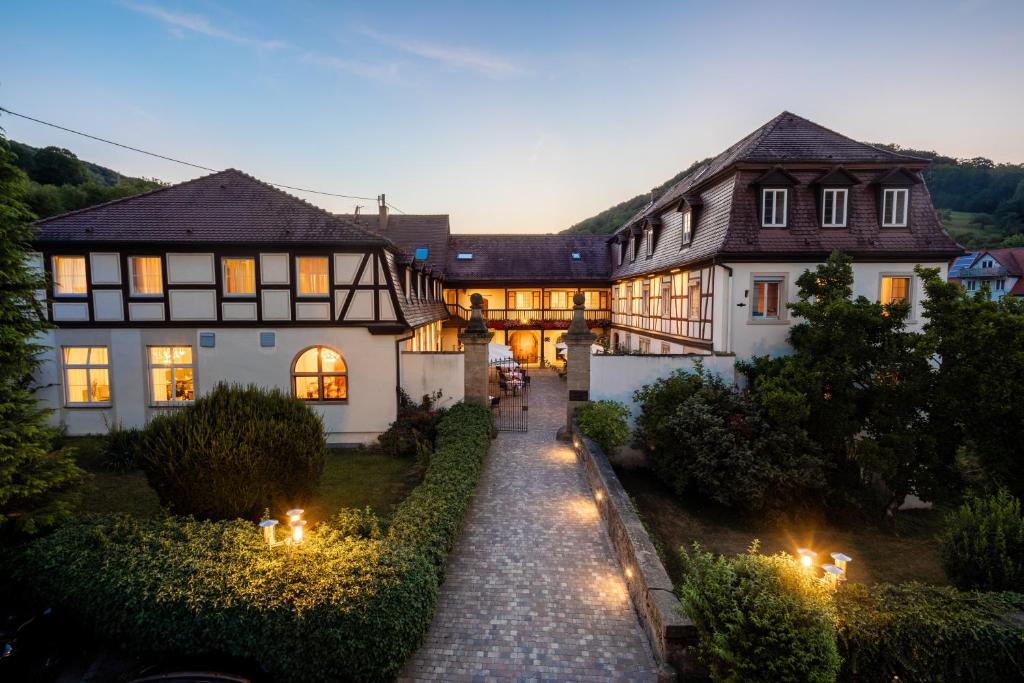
672, 634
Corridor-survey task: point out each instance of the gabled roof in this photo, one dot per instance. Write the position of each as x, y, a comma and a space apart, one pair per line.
512, 258
1012, 258
411, 232
229, 206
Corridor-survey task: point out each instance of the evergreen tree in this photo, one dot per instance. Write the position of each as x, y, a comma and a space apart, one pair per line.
37, 483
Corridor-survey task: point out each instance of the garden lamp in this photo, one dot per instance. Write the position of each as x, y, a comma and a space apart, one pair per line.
269, 533
806, 557
833, 573
840, 559
297, 527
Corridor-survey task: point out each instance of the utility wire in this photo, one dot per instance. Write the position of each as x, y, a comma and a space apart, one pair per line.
179, 161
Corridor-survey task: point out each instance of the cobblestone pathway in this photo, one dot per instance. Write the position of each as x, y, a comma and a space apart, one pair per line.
533, 591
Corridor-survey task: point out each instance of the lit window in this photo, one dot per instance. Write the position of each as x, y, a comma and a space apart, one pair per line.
559, 300
172, 376
694, 296
319, 374
833, 208
773, 211
146, 276
687, 227
576, 256
894, 208
312, 275
86, 375
239, 276
69, 276
465, 256
767, 304
895, 289
422, 253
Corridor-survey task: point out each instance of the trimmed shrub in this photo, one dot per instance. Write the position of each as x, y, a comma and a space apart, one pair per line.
983, 544
604, 422
929, 633
760, 617
348, 604
658, 404
121, 448
234, 452
413, 433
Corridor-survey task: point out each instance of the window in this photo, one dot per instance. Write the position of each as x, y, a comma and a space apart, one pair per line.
632, 248
687, 227
559, 300
987, 263
422, 253
767, 301
618, 254
576, 256
648, 242
312, 275
145, 275
833, 207
694, 295
319, 374
523, 300
86, 375
644, 344
171, 374
971, 285
69, 276
895, 289
465, 256
894, 208
665, 349
239, 276
999, 284
773, 211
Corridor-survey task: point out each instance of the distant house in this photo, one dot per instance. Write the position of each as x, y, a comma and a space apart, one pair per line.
1001, 269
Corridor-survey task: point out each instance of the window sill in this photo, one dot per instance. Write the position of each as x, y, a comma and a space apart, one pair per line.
71, 296
88, 406
781, 321
133, 295
325, 402
171, 404
326, 295
240, 296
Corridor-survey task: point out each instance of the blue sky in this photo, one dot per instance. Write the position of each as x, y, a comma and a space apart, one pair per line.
512, 117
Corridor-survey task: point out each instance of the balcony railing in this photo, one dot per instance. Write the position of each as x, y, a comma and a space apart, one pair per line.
994, 271
528, 316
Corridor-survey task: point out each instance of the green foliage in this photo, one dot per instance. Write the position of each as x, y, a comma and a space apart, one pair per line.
929, 633
604, 422
725, 445
38, 483
121, 448
760, 617
233, 452
350, 603
983, 544
658, 403
413, 432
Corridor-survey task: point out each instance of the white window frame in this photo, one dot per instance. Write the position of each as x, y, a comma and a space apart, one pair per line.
172, 366
687, 227
85, 275
618, 254
632, 248
691, 283
131, 277
911, 290
224, 276
649, 242
778, 221
895, 192
298, 278
783, 282
88, 366
828, 221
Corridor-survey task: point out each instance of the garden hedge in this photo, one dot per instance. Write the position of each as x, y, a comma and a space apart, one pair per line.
348, 604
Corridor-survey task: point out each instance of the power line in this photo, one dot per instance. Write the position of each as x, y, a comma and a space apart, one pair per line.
178, 161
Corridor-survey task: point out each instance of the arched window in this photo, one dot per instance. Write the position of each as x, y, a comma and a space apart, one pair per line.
319, 374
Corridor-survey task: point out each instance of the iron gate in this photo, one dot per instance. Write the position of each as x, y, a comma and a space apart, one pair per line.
509, 387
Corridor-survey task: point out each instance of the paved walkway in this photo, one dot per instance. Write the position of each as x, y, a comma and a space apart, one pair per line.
533, 591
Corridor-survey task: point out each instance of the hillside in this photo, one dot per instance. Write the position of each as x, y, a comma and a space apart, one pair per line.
59, 181
981, 203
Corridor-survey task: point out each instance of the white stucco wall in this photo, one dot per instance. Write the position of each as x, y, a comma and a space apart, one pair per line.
236, 357
615, 378
424, 372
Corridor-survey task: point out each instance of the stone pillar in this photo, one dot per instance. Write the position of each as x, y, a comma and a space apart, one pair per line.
578, 340
475, 339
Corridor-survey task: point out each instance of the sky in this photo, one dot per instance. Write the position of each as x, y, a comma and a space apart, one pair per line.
512, 117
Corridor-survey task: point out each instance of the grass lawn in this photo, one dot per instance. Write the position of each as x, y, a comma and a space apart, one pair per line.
878, 556
963, 228
352, 478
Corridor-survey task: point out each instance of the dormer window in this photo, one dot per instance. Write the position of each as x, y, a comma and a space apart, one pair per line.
632, 248
576, 256
422, 253
618, 254
774, 203
987, 263
833, 207
464, 256
648, 241
894, 207
687, 227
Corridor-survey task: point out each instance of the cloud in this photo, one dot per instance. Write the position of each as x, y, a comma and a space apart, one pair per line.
181, 24
459, 58
378, 72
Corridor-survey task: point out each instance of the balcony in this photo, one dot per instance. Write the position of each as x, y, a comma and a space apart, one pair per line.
553, 318
994, 271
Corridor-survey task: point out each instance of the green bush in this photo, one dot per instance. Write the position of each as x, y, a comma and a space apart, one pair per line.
413, 432
604, 422
760, 617
983, 544
121, 448
929, 633
722, 443
234, 452
658, 403
348, 604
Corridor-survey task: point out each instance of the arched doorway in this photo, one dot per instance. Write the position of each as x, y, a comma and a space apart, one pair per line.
525, 346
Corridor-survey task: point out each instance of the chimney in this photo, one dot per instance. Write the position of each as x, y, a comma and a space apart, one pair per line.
654, 194
382, 213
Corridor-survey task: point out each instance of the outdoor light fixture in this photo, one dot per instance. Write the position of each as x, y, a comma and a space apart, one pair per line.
599, 495
833, 573
806, 557
269, 532
629, 573
296, 523
840, 560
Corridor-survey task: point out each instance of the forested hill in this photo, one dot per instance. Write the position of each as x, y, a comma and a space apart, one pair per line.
980, 202
59, 181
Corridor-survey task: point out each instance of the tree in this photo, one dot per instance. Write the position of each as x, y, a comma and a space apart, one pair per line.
35, 481
57, 166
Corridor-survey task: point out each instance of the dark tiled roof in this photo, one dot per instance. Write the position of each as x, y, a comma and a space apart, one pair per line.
410, 232
229, 206
528, 257
413, 310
